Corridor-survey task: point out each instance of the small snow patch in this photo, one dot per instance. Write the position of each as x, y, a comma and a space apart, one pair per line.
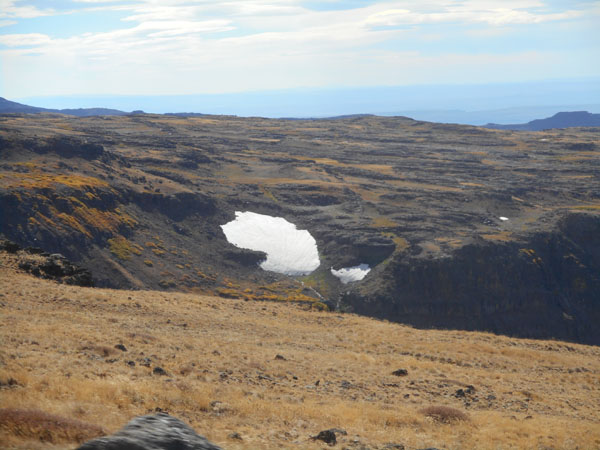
503, 219
289, 251
349, 274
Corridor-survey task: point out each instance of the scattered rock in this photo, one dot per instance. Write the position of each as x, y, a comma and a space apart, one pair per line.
219, 408
460, 393
339, 431
159, 371
131, 363
145, 362
235, 436
53, 267
9, 383
281, 357
394, 446
152, 432
327, 436
400, 372
9, 246
121, 347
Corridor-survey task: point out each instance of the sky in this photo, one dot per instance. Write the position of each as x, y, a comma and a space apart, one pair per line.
181, 47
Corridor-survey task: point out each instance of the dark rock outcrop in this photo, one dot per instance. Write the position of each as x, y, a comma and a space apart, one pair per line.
177, 206
545, 287
68, 147
57, 267
327, 436
153, 432
54, 266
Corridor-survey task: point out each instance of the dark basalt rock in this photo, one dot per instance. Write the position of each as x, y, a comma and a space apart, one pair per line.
9, 246
248, 258
178, 206
153, 432
545, 287
327, 436
68, 147
56, 267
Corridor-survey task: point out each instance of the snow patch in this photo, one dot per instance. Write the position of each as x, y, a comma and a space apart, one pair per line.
503, 219
349, 274
289, 251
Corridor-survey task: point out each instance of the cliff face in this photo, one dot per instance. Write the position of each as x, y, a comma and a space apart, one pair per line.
548, 286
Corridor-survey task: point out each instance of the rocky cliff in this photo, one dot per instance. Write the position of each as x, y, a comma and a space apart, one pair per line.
546, 286
462, 227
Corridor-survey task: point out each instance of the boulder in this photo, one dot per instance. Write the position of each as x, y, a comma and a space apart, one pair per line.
153, 432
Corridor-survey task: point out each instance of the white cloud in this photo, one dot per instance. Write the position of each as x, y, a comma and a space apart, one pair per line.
176, 46
15, 9
495, 14
24, 40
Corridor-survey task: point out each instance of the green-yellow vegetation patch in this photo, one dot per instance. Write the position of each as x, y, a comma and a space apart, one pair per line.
47, 181
383, 222
450, 241
76, 217
469, 184
587, 207
106, 221
503, 236
73, 223
401, 243
123, 249
267, 193
321, 281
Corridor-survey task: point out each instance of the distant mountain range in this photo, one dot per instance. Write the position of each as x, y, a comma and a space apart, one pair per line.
6, 106
558, 120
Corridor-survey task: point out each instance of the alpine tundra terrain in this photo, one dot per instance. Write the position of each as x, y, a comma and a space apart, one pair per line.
79, 362
461, 227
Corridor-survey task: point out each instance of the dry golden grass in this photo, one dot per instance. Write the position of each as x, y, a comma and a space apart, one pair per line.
27, 424
503, 236
58, 348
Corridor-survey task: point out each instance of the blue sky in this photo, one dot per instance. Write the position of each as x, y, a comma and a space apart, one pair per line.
178, 47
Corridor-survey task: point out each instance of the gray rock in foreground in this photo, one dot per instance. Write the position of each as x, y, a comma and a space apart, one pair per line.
153, 432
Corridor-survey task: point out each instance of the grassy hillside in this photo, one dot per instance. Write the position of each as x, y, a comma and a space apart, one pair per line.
276, 374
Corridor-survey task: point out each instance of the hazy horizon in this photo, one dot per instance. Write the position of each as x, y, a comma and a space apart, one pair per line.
301, 58
470, 104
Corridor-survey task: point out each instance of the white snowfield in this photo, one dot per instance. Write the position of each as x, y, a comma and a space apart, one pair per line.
503, 219
349, 274
289, 251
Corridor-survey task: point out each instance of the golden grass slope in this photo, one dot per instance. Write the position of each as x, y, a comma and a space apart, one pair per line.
58, 362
